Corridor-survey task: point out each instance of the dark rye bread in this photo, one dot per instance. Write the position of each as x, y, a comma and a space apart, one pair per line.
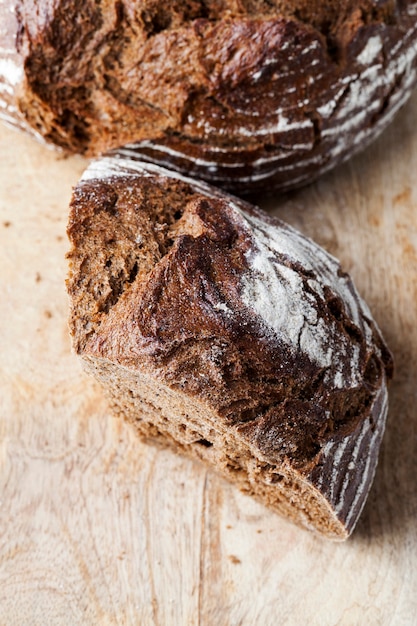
226, 334
243, 93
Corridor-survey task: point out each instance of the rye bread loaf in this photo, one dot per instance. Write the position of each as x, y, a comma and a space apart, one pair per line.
242, 93
226, 334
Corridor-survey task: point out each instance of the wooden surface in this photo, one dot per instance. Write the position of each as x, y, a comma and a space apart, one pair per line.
97, 528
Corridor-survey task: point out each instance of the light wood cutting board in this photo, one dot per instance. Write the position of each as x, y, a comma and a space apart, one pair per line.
96, 528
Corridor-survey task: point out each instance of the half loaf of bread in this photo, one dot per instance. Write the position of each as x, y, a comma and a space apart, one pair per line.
230, 336
243, 93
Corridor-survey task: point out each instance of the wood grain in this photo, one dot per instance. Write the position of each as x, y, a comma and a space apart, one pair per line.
97, 528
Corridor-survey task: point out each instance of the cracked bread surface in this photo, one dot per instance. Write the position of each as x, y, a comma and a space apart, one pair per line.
243, 93
226, 334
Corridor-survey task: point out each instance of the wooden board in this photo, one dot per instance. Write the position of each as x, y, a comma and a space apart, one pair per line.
97, 528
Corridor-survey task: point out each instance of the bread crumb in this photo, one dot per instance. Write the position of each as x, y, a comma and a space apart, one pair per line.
234, 559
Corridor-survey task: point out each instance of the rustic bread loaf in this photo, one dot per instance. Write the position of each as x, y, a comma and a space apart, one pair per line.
228, 335
238, 92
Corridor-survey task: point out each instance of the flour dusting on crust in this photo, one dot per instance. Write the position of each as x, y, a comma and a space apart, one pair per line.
278, 294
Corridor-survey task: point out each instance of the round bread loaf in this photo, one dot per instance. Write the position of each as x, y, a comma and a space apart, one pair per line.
227, 334
243, 93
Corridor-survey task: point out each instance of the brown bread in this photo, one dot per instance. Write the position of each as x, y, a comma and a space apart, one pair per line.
227, 334
247, 94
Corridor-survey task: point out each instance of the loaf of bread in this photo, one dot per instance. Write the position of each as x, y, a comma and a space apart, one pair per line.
226, 334
242, 93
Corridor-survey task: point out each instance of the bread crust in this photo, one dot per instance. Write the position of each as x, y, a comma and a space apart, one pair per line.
246, 337
241, 93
